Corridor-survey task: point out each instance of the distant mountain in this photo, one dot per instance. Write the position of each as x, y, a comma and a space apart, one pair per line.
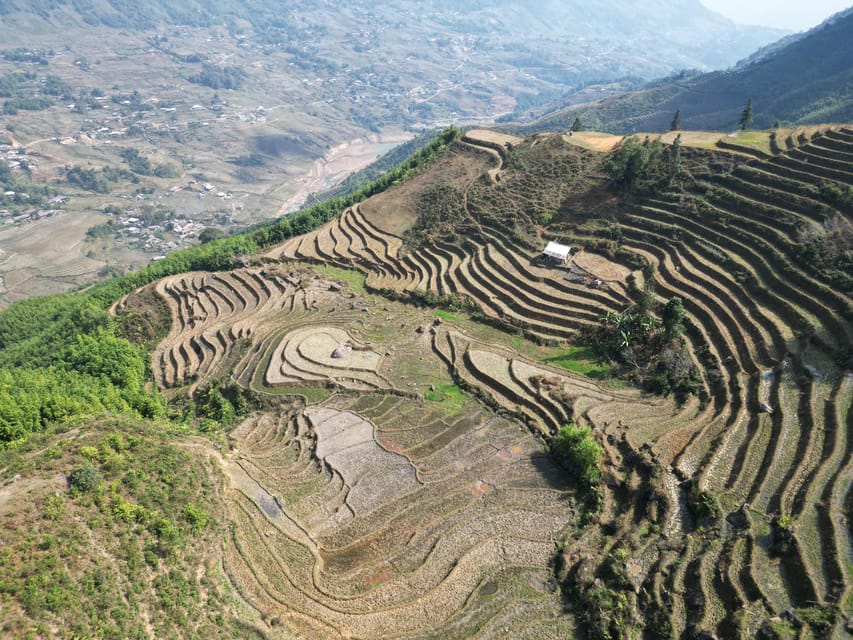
805, 78
571, 40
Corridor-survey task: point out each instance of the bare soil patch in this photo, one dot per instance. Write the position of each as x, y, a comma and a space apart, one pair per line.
375, 476
601, 267
593, 140
493, 137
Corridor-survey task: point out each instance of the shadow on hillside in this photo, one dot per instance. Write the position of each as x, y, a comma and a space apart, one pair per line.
551, 471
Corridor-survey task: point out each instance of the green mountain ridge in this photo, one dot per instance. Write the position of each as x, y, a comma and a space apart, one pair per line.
804, 79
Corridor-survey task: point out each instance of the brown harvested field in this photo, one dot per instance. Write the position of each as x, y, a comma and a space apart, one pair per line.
593, 140
493, 137
378, 510
404, 487
375, 544
601, 268
43, 257
406, 508
744, 288
326, 354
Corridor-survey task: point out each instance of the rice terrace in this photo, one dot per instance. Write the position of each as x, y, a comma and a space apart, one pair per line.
412, 367
425, 320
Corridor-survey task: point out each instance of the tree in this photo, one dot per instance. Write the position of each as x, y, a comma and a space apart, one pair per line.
673, 318
647, 297
675, 125
673, 157
576, 125
746, 115
211, 233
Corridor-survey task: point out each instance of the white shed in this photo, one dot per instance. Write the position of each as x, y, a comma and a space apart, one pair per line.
557, 252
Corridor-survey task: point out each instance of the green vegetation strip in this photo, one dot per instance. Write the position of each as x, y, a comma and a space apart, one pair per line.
354, 279
446, 315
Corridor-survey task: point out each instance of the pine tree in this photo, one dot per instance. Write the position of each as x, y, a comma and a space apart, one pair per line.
673, 157
746, 115
576, 125
676, 121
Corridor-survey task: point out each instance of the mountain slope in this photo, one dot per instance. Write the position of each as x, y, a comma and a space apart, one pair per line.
272, 102
809, 80
388, 477
574, 35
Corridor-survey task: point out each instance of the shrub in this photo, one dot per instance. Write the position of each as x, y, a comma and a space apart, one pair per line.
196, 517
84, 478
577, 448
821, 618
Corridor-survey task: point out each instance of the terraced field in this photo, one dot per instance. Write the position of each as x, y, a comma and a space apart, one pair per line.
397, 485
494, 271
384, 509
776, 447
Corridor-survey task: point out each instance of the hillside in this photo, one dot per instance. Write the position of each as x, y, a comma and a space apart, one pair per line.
129, 129
803, 79
374, 395
676, 31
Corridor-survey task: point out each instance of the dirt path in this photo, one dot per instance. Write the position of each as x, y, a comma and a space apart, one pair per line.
483, 140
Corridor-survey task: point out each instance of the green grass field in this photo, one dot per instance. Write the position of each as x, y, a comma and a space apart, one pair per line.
579, 360
449, 396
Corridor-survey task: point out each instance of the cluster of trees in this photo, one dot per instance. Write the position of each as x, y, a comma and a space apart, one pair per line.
98, 181
219, 77
54, 86
134, 98
10, 83
26, 95
644, 166
26, 193
88, 179
647, 343
25, 103
22, 54
219, 404
138, 164
142, 166
576, 447
60, 359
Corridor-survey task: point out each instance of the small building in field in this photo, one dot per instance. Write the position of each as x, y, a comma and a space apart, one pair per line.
557, 253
